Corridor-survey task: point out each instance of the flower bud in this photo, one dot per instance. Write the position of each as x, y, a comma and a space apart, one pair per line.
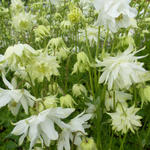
41, 32
75, 15
145, 94
67, 101
82, 63
88, 144
49, 102
65, 25
55, 89
56, 43
78, 89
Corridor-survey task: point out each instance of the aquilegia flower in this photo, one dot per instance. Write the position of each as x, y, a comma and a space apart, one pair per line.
18, 55
23, 21
77, 126
115, 14
15, 98
125, 119
123, 70
41, 126
42, 66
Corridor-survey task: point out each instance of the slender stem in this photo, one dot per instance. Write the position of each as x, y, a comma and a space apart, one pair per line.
91, 82
114, 100
98, 42
110, 144
87, 44
122, 143
104, 45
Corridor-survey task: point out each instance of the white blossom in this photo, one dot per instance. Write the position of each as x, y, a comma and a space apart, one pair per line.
15, 98
122, 70
41, 126
115, 14
74, 131
125, 119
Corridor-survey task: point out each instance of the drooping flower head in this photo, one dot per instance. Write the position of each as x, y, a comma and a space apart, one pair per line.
82, 63
41, 126
123, 70
18, 55
79, 89
76, 126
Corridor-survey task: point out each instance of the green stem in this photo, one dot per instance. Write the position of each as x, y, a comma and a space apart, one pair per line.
122, 143
91, 83
98, 42
104, 45
99, 112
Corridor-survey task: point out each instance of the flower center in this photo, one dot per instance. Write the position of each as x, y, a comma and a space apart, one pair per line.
119, 18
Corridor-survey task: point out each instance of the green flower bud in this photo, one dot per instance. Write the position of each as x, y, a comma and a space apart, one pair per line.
41, 32
82, 63
58, 48
88, 144
65, 25
67, 101
75, 15
55, 89
56, 43
145, 94
49, 102
78, 89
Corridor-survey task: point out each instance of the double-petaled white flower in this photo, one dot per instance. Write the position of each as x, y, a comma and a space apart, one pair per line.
41, 126
23, 21
125, 119
17, 6
42, 66
115, 14
74, 131
15, 98
18, 55
122, 70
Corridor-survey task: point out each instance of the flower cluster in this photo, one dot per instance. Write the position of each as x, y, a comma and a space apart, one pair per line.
74, 74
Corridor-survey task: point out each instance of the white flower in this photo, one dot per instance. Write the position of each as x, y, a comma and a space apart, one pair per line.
17, 6
123, 70
15, 98
85, 4
125, 119
18, 55
23, 21
43, 66
77, 126
120, 97
42, 126
92, 35
115, 14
